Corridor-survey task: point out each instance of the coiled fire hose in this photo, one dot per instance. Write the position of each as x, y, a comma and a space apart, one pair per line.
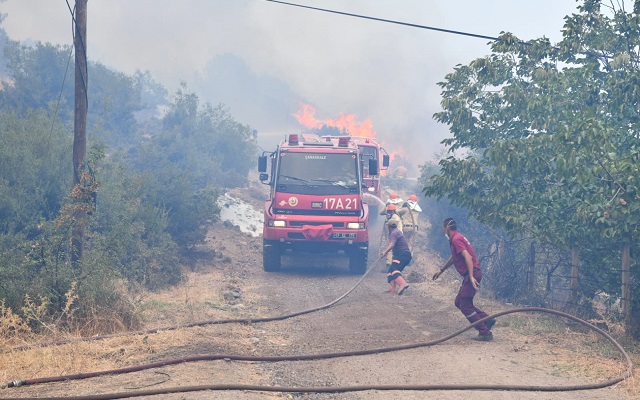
207, 322
324, 389
204, 323
339, 389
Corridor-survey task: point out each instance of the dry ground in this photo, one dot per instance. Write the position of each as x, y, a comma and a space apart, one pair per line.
528, 349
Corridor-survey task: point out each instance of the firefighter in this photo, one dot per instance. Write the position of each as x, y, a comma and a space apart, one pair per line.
392, 215
393, 199
401, 256
409, 214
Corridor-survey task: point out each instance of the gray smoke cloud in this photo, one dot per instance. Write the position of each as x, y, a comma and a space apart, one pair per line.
264, 60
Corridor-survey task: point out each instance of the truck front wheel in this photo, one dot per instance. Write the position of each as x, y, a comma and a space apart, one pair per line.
271, 256
358, 260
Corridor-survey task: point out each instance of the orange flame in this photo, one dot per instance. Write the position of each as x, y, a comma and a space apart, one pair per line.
345, 122
306, 117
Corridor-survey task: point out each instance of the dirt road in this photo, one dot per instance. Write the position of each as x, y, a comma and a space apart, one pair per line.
230, 283
369, 318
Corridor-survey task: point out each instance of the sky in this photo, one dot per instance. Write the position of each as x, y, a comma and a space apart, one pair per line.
268, 61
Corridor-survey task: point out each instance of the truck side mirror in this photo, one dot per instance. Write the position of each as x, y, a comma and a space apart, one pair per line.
373, 166
264, 177
385, 160
262, 165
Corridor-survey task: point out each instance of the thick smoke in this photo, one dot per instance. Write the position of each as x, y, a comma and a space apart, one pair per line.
265, 59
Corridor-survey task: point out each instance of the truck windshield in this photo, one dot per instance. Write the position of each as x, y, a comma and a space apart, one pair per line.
318, 173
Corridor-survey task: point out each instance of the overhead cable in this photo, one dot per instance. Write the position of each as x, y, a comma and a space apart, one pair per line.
432, 28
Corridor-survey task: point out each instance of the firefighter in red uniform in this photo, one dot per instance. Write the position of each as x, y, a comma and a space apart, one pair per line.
463, 258
401, 258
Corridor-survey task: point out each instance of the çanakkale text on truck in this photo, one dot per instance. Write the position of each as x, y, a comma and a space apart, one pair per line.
315, 200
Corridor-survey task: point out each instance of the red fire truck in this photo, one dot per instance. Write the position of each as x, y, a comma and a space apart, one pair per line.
370, 149
315, 202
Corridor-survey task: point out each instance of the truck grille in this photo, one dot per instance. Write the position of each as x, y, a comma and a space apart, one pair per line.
300, 223
299, 235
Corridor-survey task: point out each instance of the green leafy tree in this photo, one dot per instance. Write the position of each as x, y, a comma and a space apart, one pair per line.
41, 77
550, 134
35, 170
37, 73
130, 229
196, 153
151, 195
152, 95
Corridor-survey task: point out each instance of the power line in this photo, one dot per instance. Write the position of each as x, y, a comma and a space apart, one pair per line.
84, 50
64, 79
391, 21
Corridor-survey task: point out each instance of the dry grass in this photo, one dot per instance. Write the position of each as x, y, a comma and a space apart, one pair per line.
199, 298
576, 351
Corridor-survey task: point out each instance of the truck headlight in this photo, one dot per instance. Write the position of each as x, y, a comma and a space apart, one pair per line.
355, 225
278, 224
371, 189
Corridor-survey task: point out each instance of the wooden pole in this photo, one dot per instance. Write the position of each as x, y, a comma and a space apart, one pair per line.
531, 277
80, 121
575, 264
626, 284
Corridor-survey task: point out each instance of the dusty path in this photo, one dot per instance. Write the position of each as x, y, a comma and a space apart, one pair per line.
367, 318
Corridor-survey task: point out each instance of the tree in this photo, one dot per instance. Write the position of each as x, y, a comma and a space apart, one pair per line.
4, 39
41, 78
551, 134
34, 170
37, 74
198, 151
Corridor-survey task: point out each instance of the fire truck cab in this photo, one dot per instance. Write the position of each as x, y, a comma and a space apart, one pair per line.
370, 149
315, 200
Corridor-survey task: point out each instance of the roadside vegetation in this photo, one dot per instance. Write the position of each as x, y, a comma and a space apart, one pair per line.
156, 166
542, 173
545, 155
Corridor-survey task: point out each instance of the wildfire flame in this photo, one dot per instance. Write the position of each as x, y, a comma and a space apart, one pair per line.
349, 124
344, 122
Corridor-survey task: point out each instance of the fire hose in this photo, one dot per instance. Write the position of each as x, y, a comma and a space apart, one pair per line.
338, 389
209, 322
330, 389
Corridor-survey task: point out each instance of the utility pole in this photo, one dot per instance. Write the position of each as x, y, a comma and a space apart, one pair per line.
80, 123
625, 301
